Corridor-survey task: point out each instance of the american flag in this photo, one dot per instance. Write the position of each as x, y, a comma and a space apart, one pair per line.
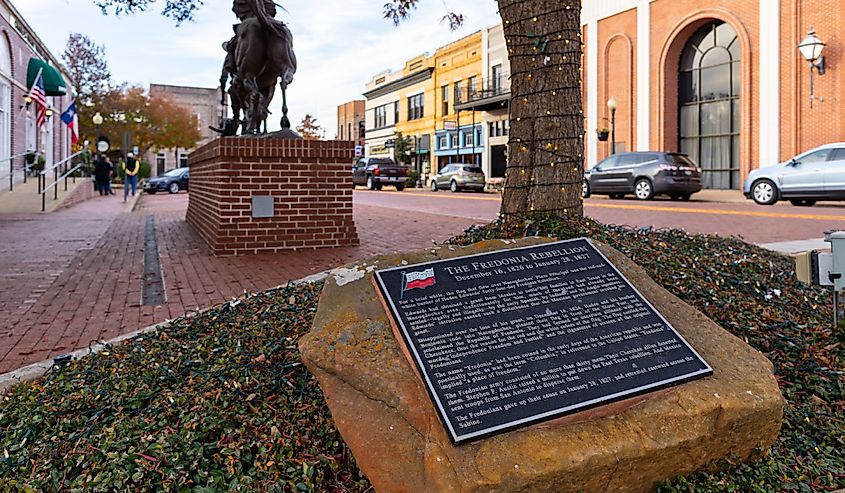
36, 93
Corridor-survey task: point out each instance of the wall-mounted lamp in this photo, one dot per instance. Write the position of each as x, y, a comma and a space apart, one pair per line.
27, 100
612, 105
811, 49
49, 112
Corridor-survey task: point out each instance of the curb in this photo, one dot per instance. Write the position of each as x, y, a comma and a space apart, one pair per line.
37, 370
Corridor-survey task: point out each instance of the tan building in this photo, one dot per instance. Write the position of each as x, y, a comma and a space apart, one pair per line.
350, 122
204, 103
721, 80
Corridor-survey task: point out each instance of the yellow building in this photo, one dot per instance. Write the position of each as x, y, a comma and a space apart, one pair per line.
457, 78
420, 104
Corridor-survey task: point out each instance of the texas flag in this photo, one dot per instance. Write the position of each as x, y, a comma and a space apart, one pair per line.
71, 120
418, 280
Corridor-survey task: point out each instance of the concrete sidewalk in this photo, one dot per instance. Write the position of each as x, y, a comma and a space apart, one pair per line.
76, 276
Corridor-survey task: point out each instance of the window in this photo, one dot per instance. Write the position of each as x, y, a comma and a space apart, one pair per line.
472, 87
496, 78
442, 143
469, 138
416, 107
815, 157
349, 131
161, 161
5, 100
609, 163
458, 89
444, 96
838, 155
636, 159
381, 116
708, 97
499, 128
183, 160
31, 131
396, 112
680, 160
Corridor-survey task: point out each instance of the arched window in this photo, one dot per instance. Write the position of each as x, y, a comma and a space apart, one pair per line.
5, 100
708, 96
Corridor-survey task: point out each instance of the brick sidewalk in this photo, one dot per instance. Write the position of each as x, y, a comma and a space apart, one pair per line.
76, 276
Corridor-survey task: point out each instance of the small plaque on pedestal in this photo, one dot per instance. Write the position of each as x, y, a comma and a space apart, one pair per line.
515, 337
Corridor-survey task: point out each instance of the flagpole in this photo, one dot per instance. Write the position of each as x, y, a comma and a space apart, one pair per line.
402, 294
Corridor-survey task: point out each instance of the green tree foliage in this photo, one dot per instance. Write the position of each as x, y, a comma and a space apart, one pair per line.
151, 122
89, 72
403, 147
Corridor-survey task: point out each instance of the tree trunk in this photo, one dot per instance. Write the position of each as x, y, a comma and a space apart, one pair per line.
545, 153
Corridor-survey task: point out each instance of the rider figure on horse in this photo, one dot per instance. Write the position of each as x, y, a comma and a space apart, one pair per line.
256, 61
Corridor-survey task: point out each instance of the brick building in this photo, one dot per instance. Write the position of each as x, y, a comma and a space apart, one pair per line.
722, 80
351, 118
205, 104
22, 53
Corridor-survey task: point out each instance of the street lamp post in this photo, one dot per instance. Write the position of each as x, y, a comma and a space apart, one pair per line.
98, 120
811, 49
612, 105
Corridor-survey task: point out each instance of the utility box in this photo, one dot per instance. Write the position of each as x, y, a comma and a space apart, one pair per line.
814, 268
837, 247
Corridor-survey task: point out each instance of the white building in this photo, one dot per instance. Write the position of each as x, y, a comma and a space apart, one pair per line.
382, 113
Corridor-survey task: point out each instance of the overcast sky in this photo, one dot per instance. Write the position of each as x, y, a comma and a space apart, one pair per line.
339, 44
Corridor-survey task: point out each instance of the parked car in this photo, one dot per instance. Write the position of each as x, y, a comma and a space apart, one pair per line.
818, 174
172, 181
459, 176
644, 174
375, 172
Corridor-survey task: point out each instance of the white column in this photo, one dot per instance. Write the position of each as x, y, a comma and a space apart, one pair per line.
769, 77
592, 92
643, 79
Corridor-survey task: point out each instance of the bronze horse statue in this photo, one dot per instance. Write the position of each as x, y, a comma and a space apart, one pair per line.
258, 55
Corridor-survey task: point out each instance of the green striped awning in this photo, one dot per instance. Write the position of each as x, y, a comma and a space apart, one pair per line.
54, 84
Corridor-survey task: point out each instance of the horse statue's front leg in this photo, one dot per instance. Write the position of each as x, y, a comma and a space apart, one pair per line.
285, 121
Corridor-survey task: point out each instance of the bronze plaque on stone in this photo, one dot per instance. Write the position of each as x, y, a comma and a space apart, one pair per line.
511, 338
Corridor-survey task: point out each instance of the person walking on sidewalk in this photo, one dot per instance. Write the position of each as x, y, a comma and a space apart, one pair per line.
130, 175
102, 174
109, 191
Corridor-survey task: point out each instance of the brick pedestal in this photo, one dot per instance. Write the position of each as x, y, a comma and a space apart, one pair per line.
309, 181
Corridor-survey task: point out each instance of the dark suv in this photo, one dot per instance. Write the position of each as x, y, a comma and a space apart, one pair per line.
644, 174
374, 172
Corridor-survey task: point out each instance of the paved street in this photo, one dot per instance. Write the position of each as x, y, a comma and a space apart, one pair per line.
719, 212
76, 275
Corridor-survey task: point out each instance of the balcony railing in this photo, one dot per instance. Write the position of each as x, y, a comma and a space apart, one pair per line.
490, 87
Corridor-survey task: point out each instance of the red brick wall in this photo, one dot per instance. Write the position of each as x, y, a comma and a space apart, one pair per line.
803, 127
672, 24
310, 181
84, 190
617, 70
20, 54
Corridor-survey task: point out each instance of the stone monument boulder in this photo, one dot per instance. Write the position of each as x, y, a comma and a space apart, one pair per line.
381, 407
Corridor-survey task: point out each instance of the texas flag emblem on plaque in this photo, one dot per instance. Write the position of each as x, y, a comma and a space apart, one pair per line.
418, 280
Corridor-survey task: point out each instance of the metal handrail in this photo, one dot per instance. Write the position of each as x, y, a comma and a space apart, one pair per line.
42, 178
17, 156
26, 167
56, 165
